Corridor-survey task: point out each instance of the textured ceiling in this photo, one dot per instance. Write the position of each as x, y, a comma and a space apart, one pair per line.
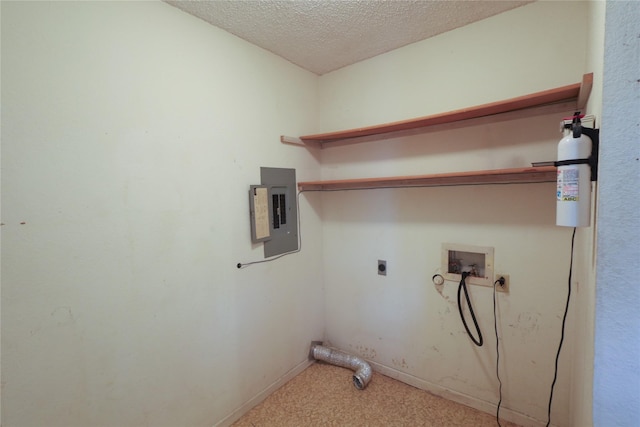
322, 35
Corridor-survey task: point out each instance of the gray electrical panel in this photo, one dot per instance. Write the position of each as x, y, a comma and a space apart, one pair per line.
274, 211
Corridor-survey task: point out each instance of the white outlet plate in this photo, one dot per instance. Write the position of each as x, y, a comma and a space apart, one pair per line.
504, 288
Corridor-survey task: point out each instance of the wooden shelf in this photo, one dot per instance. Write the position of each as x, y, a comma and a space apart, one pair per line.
496, 176
578, 93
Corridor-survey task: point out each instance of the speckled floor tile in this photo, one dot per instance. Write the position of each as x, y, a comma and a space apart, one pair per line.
324, 395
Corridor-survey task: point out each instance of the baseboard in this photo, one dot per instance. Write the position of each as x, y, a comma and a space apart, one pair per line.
258, 398
481, 405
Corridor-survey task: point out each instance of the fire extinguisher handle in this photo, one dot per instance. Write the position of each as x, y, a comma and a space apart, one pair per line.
577, 125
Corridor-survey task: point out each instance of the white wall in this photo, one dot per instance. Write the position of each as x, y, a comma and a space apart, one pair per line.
458, 69
617, 356
402, 322
130, 135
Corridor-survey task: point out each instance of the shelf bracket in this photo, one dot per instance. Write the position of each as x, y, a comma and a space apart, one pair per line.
294, 140
291, 140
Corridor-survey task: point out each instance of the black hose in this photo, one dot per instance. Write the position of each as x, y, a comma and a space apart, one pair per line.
564, 321
463, 286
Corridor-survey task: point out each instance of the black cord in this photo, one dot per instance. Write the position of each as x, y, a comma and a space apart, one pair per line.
495, 327
461, 287
246, 264
564, 319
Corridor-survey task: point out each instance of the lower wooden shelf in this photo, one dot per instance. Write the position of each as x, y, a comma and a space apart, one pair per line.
496, 176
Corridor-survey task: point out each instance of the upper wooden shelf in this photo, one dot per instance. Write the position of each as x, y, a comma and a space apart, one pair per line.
485, 177
578, 92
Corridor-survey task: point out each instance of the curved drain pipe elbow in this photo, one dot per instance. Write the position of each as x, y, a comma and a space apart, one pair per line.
362, 370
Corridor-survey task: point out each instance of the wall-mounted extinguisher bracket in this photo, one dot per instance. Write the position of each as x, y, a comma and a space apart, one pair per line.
594, 134
577, 131
577, 165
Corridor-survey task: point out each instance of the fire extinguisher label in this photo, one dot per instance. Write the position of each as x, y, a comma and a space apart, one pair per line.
568, 185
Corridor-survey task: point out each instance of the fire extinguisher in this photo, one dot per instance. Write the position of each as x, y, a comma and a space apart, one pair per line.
576, 169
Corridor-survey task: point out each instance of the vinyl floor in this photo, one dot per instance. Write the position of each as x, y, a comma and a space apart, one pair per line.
324, 395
